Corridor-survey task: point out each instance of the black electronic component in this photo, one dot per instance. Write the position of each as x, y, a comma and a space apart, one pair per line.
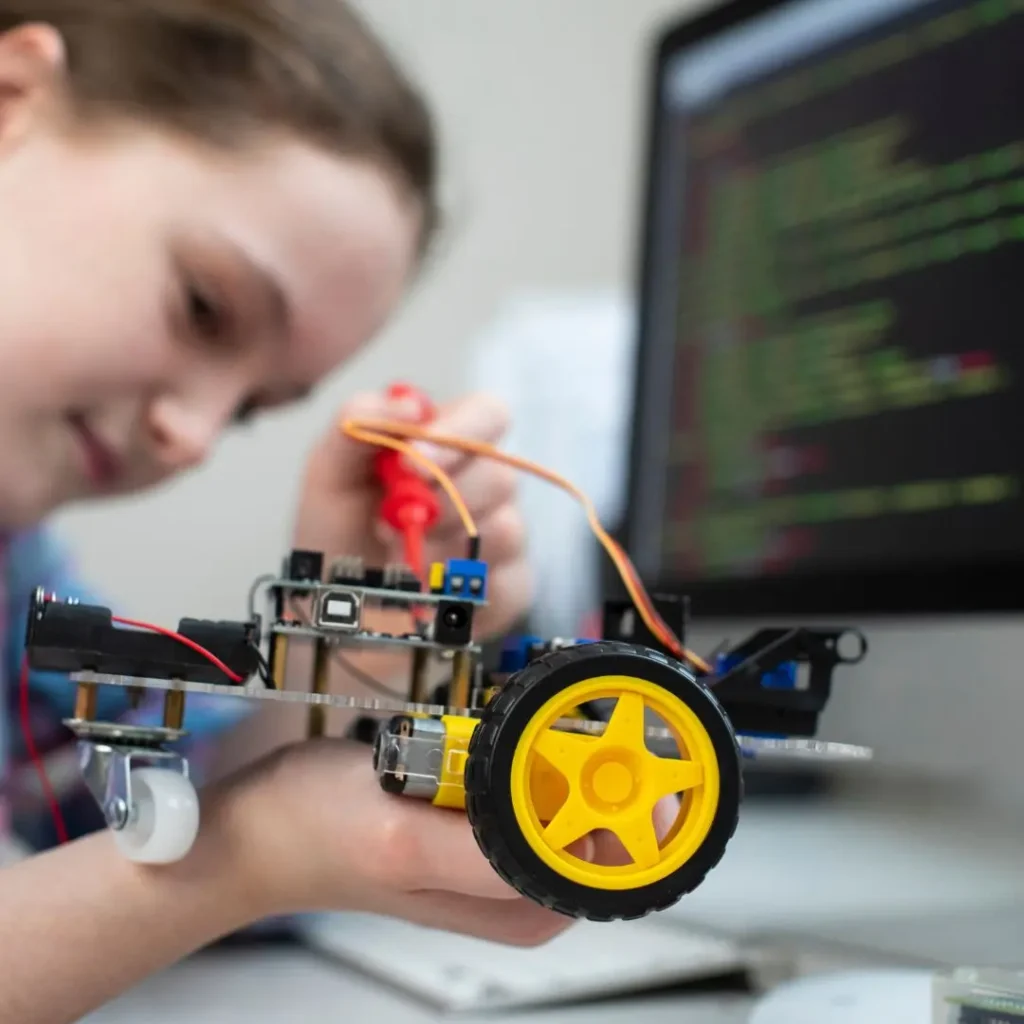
65, 637
453, 623
349, 569
339, 609
401, 577
622, 622
353, 572
373, 577
305, 566
754, 707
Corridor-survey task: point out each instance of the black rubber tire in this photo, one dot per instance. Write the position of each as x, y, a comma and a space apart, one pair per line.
489, 770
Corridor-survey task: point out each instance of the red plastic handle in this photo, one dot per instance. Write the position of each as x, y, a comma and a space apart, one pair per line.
409, 501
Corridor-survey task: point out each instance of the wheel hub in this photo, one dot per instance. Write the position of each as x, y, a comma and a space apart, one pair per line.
611, 782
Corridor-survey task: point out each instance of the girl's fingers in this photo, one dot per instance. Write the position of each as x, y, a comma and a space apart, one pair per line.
484, 486
480, 418
518, 923
502, 538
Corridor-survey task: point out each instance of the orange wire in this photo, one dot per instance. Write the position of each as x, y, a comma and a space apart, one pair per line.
366, 430
374, 437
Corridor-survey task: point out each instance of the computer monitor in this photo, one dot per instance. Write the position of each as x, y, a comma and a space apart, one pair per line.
831, 359
829, 413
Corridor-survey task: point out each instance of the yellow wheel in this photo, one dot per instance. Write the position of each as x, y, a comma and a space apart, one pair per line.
534, 791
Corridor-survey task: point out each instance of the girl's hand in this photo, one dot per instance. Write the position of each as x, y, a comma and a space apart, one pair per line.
314, 832
338, 511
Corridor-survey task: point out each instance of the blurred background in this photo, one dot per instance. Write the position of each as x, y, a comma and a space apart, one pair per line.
913, 528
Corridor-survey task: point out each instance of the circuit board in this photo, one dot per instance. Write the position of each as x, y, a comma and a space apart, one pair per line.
86, 642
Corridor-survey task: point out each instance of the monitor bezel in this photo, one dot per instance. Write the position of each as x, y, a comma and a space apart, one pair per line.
986, 587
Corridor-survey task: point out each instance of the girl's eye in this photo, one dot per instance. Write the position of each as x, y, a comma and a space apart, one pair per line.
246, 411
206, 318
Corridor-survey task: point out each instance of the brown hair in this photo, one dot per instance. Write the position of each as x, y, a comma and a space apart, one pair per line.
223, 69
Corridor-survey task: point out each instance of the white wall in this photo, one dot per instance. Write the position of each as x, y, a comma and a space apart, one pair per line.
541, 106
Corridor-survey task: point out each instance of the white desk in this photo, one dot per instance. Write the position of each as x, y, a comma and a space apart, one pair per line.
279, 987
867, 884
915, 882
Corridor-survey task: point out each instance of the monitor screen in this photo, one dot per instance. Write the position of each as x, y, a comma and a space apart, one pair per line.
830, 400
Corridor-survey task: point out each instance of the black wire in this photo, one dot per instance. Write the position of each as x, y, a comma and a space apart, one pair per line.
363, 677
261, 663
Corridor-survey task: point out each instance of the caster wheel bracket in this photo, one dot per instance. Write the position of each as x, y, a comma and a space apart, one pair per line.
107, 770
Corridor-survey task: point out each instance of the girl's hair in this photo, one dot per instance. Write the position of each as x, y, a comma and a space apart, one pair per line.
222, 70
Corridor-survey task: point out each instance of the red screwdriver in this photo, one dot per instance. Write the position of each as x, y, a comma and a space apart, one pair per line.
410, 506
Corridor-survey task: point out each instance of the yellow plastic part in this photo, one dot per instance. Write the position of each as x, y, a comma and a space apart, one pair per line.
437, 576
613, 783
451, 792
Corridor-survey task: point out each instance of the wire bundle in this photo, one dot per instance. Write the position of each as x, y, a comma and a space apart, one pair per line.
386, 433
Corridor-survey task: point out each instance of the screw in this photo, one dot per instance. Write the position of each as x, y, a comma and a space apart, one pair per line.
117, 814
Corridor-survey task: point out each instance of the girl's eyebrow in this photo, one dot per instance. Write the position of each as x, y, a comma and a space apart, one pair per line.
266, 288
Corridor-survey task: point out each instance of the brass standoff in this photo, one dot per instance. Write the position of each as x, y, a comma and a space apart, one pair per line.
174, 709
462, 679
278, 660
418, 677
321, 685
85, 702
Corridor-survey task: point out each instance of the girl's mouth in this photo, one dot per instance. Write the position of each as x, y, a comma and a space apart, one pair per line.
103, 464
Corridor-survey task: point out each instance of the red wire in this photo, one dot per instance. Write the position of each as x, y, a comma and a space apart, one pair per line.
412, 538
233, 676
26, 720
37, 761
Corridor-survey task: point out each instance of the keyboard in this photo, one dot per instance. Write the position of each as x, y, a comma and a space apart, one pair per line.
453, 972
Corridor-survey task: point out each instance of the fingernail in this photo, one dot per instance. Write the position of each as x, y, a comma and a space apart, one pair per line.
404, 408
441, 457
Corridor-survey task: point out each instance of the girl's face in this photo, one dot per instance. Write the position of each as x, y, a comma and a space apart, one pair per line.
153, 291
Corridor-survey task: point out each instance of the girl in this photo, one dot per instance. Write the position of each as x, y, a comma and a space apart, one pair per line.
208, 206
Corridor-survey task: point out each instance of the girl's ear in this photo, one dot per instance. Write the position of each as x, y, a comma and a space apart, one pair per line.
32, 76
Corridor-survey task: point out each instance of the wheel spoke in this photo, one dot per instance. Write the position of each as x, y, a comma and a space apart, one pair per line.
573, 821
626, 727
566, 752
637, 835
665, 776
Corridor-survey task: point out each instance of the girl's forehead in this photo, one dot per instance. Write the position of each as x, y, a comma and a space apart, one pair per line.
324, 244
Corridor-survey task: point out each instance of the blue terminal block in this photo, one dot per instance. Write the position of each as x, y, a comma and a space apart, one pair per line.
781, 678
463, 579
515, 653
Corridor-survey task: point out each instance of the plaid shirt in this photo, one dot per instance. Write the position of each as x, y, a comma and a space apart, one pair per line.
29, 560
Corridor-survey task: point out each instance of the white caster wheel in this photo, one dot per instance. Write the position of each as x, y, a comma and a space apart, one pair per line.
165, 817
